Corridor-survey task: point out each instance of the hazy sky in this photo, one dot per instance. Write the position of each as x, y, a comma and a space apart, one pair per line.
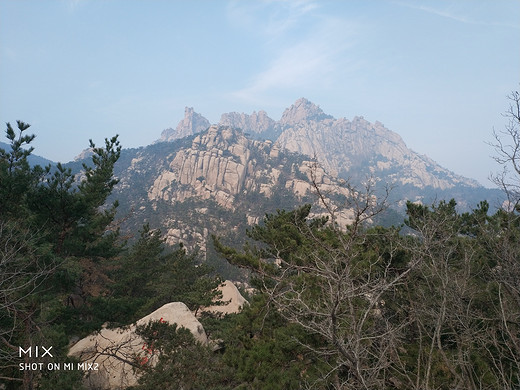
436, 72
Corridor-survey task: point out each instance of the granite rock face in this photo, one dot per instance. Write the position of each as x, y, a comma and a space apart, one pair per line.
301, 112
359, 147
114, 352
232, 300
222, 163
256, 123
351, 149
218, 181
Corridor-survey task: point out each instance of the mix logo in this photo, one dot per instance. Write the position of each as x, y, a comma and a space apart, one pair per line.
36, 351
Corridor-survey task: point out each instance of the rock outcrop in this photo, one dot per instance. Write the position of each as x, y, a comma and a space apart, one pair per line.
222, 163
359, 148
232, 299
256, 124
114, 352
301, 112
192, 123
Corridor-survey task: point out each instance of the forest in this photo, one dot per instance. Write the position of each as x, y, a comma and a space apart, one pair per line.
431, 304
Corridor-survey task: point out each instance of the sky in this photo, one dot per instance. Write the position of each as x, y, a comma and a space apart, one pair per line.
438, 72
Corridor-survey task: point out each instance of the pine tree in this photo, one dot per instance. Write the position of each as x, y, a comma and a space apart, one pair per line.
16, 176
149, 275
51, 230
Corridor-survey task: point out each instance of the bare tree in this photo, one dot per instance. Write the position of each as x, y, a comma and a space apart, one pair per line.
507, 147
447, 301
503, 243
23, 270
334, 282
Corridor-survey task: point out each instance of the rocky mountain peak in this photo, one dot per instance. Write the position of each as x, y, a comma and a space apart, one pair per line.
303, 110
257, 123
351, 150
220, 138
85, 153
358, 149
192, 123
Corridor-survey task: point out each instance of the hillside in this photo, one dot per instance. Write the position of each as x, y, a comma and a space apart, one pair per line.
216, 182
33, 159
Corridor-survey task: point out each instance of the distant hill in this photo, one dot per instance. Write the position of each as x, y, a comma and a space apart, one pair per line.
33, 158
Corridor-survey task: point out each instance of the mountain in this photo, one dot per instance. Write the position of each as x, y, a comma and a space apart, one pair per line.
217, 182
220, 179
303, 111
258, 125
357, 149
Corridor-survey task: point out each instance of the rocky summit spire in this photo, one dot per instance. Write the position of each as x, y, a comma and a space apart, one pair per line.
192, 123
256, 122
302, 110
258, 125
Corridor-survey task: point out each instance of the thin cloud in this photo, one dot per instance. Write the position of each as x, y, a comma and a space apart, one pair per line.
289, 14
306, 50
269, 17
308, 62
444, 14
454, 16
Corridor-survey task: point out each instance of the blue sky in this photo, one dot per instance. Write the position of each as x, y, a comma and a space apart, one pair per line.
436, 72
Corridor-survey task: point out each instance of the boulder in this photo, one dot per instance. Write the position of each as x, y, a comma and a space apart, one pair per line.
112, 354
234, 301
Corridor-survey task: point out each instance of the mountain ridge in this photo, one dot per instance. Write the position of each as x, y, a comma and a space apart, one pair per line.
224, 179
341, 145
